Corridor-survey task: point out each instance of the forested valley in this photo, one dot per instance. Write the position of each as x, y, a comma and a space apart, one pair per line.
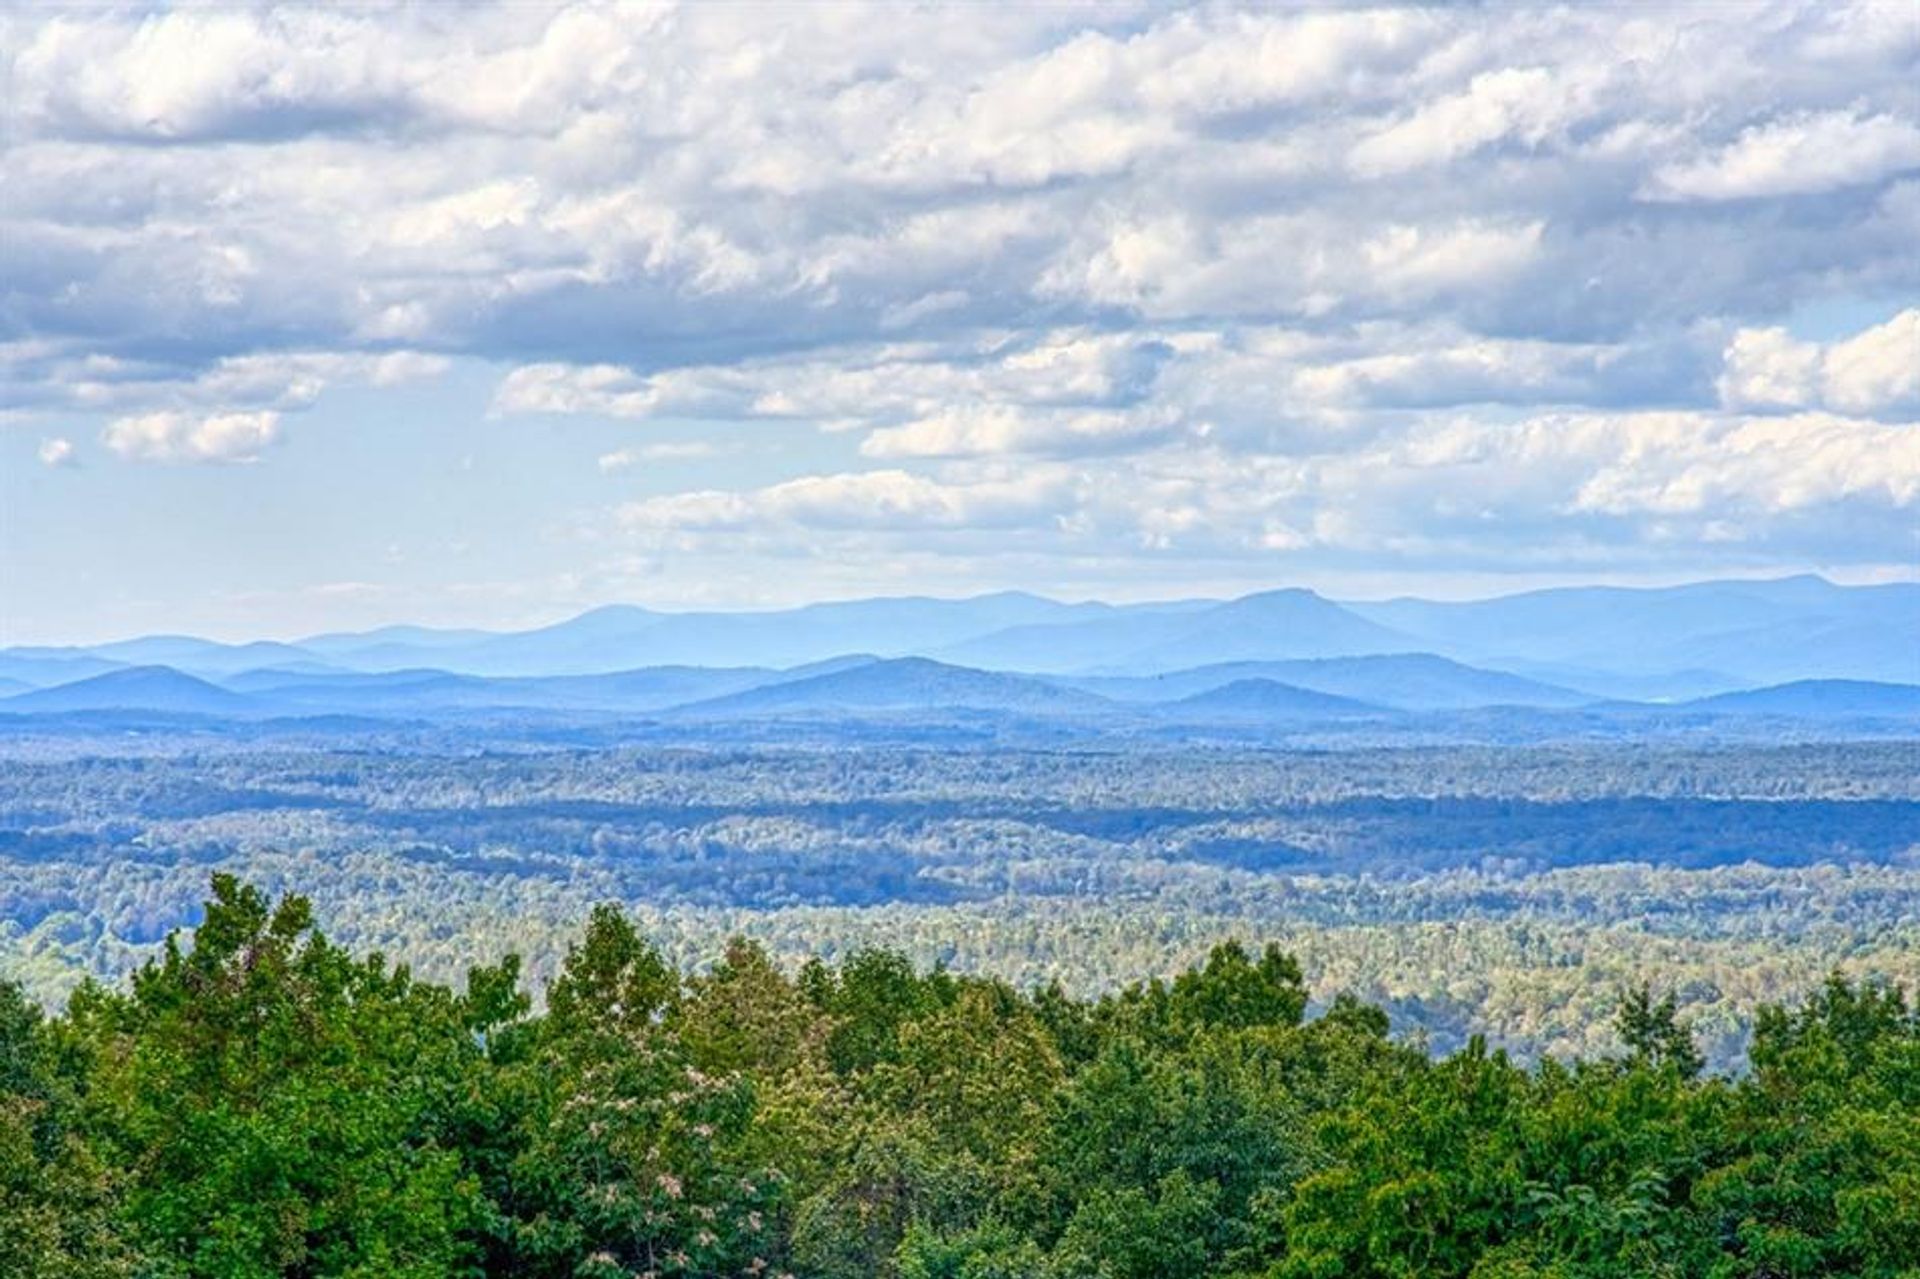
1505, 892
892, 1010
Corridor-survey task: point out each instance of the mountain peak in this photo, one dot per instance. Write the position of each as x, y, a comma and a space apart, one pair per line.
901, 684
146, 688
1260, 698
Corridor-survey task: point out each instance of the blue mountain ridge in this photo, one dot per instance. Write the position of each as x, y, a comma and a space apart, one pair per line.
1668, 643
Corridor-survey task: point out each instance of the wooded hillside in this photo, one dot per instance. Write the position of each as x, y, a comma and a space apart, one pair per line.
260, 1102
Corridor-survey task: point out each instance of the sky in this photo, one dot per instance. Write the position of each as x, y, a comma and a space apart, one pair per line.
319, 318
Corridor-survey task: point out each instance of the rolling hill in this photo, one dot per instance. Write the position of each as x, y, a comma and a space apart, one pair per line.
199, 656
145, 688
1265, 699
418, 691
1538, 648
46, 667
1272, 625
1753, 631
1406, 681
1818, 698
624, 637
915, 684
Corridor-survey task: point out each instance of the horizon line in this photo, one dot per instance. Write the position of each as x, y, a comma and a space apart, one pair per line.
768, 610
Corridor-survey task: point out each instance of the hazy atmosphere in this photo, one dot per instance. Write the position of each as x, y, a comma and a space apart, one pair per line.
960, 640
483, 314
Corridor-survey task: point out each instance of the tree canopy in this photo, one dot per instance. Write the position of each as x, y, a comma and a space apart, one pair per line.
257, 1101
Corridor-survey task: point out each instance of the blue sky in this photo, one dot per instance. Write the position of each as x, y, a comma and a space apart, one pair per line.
485, 314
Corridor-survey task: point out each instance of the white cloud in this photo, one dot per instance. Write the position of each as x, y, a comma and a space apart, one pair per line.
559, 388
994, 431
1411, 261
1074, 393
1874, 373
673, 186
189, 437
1769, 368
668, 451
294, 379
1680, 465
397, 368
1526, 103
287, 381
1562, 488
879, 501
858, 384
1190, 277
56, 451
1800, 155
1438, 372
193, 75
1878, 370
1305, 266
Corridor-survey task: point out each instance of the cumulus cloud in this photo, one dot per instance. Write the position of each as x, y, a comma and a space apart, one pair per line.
676, 185
668, 451
1127, 275
1875, 373
188, 437
992, 431
206, 75
1667, 465
888, 501
252, 388
1527, 104
1075, 392
1556, 488
56, 451
1796, 156
934, 388
294, 379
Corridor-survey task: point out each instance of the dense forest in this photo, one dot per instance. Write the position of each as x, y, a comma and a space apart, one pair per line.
1507, 892
259, 1101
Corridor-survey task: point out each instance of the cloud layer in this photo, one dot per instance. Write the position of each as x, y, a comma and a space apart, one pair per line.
1273, 286
187, 437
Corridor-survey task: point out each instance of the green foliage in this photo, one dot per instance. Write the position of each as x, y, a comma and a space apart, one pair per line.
1827, 1177
1653, 1034
622, 1154
58, 1200
260, 1102
874, 994
990, 1252
1509, 892
1157, 1232
1233, 991
280, 1107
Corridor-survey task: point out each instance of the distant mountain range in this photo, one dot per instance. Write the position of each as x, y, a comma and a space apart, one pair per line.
1760, 632
623, 637
1412, 698
1272, 626
1404, 681
1797, 647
